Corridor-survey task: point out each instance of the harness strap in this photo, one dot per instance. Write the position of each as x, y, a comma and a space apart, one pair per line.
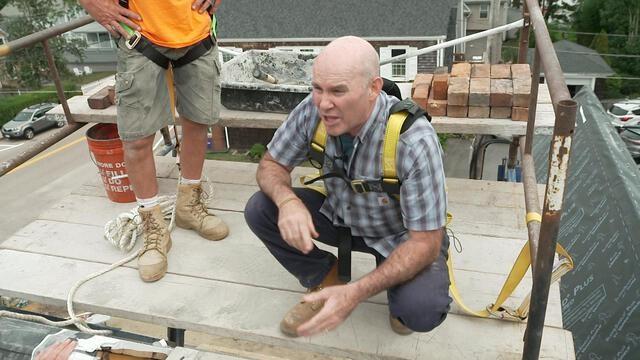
345, 244
146, 48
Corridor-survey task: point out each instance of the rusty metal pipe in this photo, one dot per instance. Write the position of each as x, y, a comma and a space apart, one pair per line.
533, 101
556, 82
43, 35
524, 36
531, 198
553, 202
52, 138
56, 80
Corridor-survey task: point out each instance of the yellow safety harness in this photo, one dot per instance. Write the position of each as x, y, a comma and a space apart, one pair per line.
391, 184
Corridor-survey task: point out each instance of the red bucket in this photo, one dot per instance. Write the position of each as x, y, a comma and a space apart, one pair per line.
105, 148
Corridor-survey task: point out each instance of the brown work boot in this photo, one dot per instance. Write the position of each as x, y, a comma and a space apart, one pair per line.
398, 327
304, 311
152, 261
191, 213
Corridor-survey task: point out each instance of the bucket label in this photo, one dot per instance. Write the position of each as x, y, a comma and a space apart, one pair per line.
114, 177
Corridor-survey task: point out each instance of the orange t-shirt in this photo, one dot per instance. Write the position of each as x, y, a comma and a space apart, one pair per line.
171, 23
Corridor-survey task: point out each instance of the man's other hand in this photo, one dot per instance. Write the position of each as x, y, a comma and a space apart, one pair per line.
58, 351
109, 14
296, 225
206, 5
339, 302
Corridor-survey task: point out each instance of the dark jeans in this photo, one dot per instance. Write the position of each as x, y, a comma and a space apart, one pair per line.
421, 303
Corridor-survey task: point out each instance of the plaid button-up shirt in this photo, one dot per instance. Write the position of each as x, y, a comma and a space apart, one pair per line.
380, 219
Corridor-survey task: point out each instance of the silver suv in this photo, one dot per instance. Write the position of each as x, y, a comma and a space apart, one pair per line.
625, 113
32, 120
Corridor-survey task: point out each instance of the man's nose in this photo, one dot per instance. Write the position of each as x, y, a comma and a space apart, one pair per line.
326, 102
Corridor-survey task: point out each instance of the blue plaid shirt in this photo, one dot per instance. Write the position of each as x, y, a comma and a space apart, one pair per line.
381, 220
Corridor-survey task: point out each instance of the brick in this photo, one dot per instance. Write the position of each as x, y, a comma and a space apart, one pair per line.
436, 107
500, 71
458, 92
521, 71
461, 70
499, 112
481, 71
479, 111
111, 90
441, 70
519, 113
457, 111
421, 79
99, 100
479, 91
440, 86
501, 92
521, 92
421, 94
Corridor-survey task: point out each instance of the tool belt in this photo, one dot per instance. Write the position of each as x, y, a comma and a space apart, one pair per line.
145, 47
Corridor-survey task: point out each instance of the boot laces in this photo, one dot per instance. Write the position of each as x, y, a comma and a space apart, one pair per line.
198, 201
152, 232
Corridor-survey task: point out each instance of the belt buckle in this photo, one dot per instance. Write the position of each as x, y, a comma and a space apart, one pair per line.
358, 186
133, 40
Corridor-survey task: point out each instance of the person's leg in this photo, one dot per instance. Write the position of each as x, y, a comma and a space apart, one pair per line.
314, 270
142, 109
310, 269
192, 148
422, 303
197, 87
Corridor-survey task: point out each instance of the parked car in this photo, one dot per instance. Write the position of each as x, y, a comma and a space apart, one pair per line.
32, 120
625, 113
631, 137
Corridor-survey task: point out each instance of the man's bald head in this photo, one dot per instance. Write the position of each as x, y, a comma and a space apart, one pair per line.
352, 54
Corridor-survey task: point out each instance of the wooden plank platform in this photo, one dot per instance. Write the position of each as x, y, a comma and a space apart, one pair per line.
235, 288
545, 118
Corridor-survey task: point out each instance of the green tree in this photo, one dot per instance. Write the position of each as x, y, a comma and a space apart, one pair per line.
28, 66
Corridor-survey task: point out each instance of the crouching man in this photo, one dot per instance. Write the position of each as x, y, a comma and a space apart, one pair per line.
405, 233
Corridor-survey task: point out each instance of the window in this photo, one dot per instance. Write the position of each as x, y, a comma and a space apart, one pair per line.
2, 41
403, 70
484, 11
398, 68
101, 40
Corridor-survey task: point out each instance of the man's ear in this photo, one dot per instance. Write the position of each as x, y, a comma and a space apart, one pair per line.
376, 87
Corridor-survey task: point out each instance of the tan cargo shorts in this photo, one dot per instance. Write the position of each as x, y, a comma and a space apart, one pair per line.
143, 97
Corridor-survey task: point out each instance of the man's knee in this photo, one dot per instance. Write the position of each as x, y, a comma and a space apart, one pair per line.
258, 209
422, 314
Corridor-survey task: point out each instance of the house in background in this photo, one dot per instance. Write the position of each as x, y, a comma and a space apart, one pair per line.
479, 18
393, 28
581, 66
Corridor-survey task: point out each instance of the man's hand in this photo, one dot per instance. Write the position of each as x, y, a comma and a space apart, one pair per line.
108, 14
203, 5
339, 303
58, 351
296, 225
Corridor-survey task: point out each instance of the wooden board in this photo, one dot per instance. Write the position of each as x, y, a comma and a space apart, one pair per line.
219, 308
239, 119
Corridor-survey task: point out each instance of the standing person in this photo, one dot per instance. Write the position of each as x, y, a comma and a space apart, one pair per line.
407, 235
173, 33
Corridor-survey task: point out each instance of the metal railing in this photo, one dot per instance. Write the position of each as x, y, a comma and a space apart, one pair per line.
30, 40
542, 235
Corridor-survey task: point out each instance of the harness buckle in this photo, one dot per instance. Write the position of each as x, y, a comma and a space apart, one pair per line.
133, 40
359, 186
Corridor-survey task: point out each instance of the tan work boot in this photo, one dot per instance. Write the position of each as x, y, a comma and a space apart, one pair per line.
152, 261
398, 327
191, 213
304, 311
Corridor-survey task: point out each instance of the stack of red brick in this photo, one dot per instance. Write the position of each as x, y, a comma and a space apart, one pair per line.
499, 91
